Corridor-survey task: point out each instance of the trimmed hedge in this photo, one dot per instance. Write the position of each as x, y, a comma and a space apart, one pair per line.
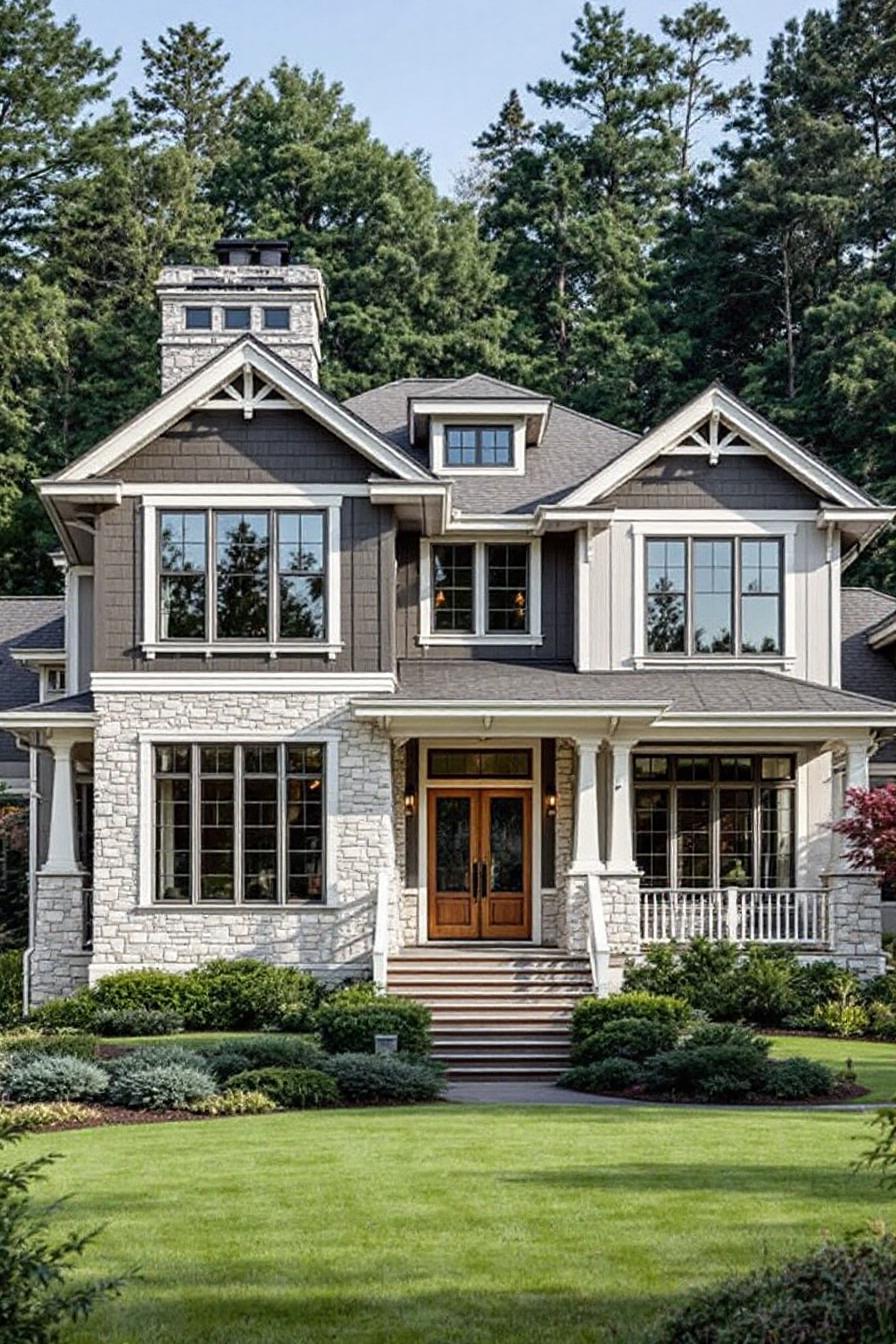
53, 1078
592, 1015
262, 1052
348, 1021
137, 1022
377, 1080
840, 1294
626, 1038
293, 1089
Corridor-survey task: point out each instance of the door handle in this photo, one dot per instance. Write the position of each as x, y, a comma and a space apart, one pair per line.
483, 879
474, 874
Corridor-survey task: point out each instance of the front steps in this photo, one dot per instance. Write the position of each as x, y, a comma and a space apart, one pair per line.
500, 1012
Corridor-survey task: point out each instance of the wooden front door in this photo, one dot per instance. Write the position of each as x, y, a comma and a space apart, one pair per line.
480, 863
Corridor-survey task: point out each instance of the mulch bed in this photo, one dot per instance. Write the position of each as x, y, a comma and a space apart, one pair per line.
122, 1115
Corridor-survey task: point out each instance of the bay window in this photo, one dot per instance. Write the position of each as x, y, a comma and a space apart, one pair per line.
480, 590
714, 595
239, 823
715, 821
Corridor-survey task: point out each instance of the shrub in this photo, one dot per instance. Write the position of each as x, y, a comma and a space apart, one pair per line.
626, 1038
843, 1015
707, 1073
592, 1015
372, 1080
839, 1294
37, 1300
137, 1022
882, 989
607, 1075
816, 982
262, 1052
28, 1041
153, 1056
53, 1078
349, 1020
293, 1089
46, 1114
160, 1087
797, 1079
10, 987
76, 1011
243, 994
882, 1021
763, 988
234, 1103
726, 1033
127, 990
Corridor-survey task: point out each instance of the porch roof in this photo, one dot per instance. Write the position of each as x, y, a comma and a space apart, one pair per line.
74, 710
745, 698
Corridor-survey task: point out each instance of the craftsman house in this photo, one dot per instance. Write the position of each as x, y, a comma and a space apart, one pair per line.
447, 683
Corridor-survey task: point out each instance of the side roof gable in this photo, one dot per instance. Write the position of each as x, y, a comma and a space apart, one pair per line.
742, 424
215, 376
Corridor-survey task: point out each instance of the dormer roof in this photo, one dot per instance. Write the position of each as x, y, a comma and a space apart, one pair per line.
479, 397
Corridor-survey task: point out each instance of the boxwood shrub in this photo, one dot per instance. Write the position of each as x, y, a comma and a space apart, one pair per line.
53, 1078
293, 1089
798, 1079
160, 1087
348, 1021
707, 1072
262, 1052
626, 1038
592, 1015
840, 1294
374, 1080
606, 1075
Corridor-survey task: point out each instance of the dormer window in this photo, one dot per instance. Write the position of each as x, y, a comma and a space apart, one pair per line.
198, 319
478, 446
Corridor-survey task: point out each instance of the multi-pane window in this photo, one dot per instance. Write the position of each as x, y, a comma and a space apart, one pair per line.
481, 589
714, 595
479, 446
268, 579
715, 821
239, 823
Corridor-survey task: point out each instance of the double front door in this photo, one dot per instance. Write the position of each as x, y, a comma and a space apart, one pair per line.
480, 872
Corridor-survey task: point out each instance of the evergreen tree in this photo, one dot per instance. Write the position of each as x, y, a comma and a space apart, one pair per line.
187, 102
703, 41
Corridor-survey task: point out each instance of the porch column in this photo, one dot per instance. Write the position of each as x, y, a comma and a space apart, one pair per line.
857, 764
621, 854
586, 846
61, 856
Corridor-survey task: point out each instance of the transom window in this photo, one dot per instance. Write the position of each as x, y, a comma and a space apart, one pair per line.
715, 821
242, 574
481, 588
714, 595
498, 763
239, 823
478, 446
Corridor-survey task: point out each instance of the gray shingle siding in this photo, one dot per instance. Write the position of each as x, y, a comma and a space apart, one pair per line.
25, 623
691, 483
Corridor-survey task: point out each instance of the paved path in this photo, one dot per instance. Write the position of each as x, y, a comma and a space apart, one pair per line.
529, 1094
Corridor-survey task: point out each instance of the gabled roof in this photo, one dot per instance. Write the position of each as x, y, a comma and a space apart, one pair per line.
864, 668
25, 622
306, 395
785, 451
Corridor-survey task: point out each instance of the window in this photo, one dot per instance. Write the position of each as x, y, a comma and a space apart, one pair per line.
715, 821
276, 319
55, 682
198, 319
482, 590
714, 595
268, 580
501, 763
239, 824
237, 319
478, 446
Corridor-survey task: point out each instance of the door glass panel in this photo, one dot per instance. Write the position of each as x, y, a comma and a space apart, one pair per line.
506, 836
736, 837
453, 834
694, 838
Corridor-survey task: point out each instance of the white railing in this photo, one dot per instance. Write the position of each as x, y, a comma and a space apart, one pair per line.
381, 931
795, 915
598, 941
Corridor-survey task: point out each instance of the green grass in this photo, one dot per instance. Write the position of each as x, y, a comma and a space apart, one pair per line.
447, 1224
873, 1061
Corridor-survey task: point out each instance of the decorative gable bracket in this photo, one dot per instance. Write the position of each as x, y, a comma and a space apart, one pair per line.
248, 391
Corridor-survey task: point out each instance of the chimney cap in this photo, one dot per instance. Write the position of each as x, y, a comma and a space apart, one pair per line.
254, 247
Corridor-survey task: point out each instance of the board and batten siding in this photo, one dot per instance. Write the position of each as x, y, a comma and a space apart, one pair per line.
557, 601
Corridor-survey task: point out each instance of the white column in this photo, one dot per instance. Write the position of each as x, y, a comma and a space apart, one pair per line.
621, 857
586, 849
857, 764
61, 857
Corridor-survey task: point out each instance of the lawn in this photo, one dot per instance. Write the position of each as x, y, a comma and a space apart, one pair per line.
447, 1224
873, 1061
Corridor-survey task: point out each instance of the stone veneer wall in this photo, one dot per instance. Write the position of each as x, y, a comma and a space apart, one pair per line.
332, 939
855, 921
59, 964
403, 922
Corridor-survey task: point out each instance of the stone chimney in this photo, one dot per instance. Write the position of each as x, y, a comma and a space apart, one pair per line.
253, 288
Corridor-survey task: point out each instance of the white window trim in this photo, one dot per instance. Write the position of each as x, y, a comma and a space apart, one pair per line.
785, 529
437, 444
146, 825
152, 644
531, 638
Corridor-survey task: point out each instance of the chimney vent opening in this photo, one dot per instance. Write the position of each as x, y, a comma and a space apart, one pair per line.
252, 252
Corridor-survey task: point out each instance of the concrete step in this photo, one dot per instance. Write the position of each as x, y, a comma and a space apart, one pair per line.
488, 1073
490, 984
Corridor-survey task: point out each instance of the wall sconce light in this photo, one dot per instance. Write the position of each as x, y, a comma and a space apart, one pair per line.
410, 802
550, 803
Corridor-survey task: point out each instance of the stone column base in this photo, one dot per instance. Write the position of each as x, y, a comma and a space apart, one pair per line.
855, 927
621, 896
59, 964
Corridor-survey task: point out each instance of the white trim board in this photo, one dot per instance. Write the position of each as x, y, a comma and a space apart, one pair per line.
268, 683
191, 392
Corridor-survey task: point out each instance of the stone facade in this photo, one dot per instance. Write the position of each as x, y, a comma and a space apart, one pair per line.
333, 939
855, 921
59, 963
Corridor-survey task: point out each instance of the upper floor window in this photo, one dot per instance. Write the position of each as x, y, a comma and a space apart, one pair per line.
253, 574
275, 319
714, 595
478, 446
237, 319
198, 319
481, 590
55, 684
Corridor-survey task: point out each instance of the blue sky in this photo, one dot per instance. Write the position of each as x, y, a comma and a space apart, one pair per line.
428, 73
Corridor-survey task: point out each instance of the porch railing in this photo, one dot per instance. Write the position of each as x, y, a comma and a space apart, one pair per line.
792, 915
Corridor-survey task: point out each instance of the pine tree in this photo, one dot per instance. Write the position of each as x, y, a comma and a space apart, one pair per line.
703, 41
187, 102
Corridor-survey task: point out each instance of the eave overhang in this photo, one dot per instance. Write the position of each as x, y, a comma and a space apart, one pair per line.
534, 410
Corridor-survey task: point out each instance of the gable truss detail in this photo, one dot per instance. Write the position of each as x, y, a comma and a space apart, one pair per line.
713, 436
249, 392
